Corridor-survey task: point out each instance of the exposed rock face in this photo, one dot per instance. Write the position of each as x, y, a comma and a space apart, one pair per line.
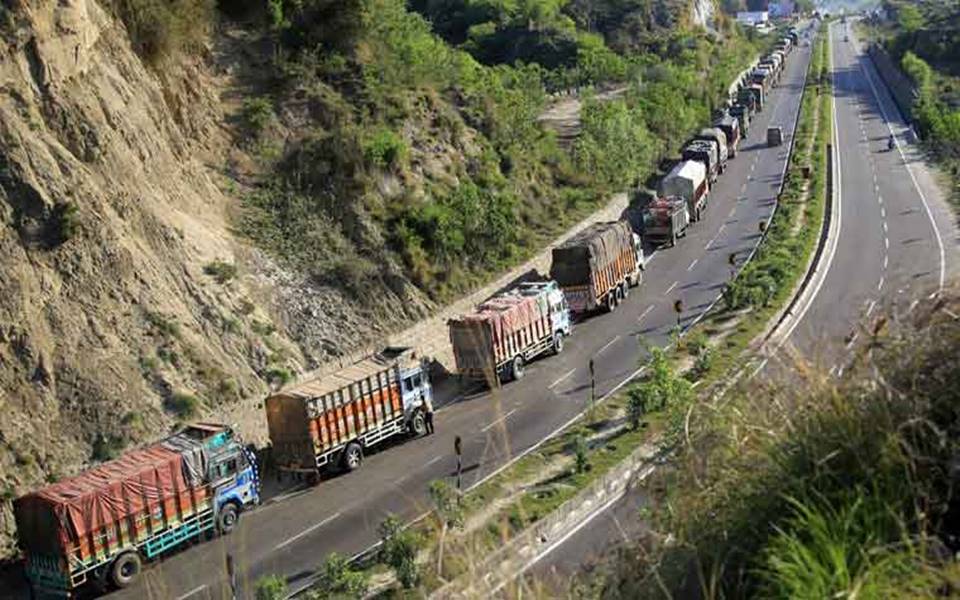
702, 13
111, 213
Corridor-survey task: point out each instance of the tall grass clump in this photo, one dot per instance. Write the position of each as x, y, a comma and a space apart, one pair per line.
813, 487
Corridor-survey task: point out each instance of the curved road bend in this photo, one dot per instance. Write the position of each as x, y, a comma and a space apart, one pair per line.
893, 222
291, 535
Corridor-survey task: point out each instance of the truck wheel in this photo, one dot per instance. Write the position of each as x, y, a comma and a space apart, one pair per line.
625, 286
618, 294
516, 368
557, 343
227, 519
125, 569
698, 215
352, 457
418, 425
611, 301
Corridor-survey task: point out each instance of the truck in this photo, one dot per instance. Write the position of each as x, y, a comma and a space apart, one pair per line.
665, 220
502, 335
326, 422
730, 127
687, 180
706, 153
100, 526
719, 140
598, 266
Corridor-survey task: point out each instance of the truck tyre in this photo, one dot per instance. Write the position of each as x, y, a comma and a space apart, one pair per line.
125, 569
352, 457
698, 215
516, 368
619, 294
557, 343
625, 286
673, 239
227, 518
611, 301
418, 425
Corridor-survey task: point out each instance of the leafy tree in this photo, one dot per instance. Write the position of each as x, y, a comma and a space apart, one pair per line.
909, 18
399, 551
339, 580
270, 587
663, 388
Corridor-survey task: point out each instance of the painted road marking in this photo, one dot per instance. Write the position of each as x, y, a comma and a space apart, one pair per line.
884, 226
883, 213
498, 421
880, 283
306, 531
885, 259
672, 285
195, 590
645, 313
886, 242
693, 264
916, 186
873, 304
607, 345
562, 377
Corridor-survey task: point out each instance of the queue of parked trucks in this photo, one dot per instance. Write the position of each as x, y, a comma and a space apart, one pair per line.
101, 525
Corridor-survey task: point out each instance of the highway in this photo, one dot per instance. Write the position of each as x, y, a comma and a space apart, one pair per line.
291, 534
897, 243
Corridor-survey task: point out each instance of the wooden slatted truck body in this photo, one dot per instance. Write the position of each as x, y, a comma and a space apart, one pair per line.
503, 334
330, 419
100, 525
597, 267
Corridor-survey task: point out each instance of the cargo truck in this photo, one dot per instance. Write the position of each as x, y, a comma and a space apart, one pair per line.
99, 527
327, 422
597, 267
730, 127
505, 333
665, 220
706, 153
718, 138
687, 180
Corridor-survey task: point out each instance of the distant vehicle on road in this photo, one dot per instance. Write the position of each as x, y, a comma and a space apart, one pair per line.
718, 139
665, 220
498, 339
99, 526
598, 266
774, 136
328, 421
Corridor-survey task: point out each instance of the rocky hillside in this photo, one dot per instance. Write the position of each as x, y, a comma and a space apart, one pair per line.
199, 203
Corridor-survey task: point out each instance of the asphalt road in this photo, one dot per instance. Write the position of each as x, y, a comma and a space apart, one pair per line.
897, 238
897, 243
291, 534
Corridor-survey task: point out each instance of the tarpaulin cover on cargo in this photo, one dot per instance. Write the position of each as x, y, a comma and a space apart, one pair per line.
76, 510
589, 251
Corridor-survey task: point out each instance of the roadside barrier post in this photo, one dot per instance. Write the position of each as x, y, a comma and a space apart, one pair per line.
593, 386
458, 448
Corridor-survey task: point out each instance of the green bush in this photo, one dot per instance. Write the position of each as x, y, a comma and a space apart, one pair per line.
278, 376
184, 405
398, 550
221, 271
384, 149
270, 587
256, 115
107, 447
339, 580
66, 222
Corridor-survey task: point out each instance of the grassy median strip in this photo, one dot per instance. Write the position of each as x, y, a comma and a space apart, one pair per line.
650, 411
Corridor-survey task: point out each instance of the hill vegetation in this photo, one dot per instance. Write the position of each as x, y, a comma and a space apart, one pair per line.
924, 38
810, 487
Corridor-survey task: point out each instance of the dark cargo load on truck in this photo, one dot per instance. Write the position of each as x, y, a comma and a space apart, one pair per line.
594, 262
